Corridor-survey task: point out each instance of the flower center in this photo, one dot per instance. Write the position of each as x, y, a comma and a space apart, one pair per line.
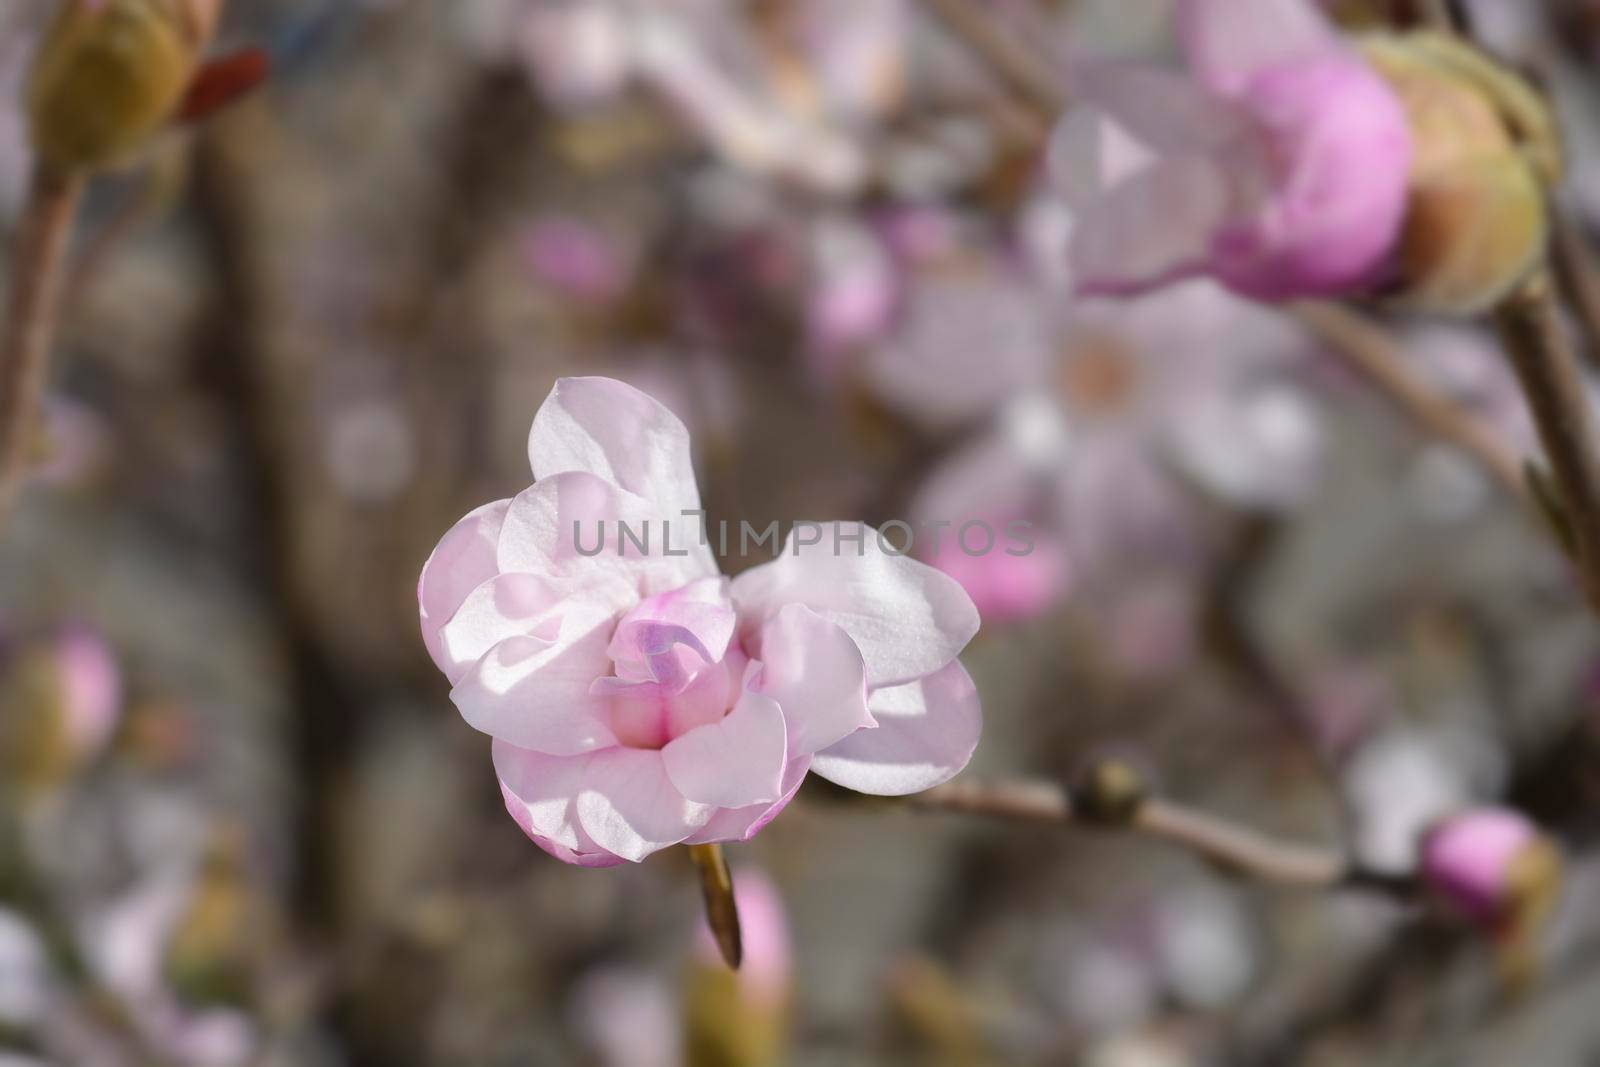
676, 666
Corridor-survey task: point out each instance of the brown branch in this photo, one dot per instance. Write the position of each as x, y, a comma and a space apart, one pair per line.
1371, 350
1022, 70
1207, 836
33, 307
1546, 365
1578, 268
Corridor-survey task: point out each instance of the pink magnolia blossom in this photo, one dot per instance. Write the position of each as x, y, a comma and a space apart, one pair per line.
639, 699
1280, 166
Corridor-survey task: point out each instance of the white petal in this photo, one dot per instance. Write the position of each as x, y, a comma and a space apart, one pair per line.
535, 693
545, 788
1153, 228
741, 824
926, 733
617, 433
507, 605
1229, 42
463, 560
566, 529
907, 619
733, 763
815, 673
630, 807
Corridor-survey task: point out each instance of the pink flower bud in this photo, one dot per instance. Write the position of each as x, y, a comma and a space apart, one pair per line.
1487, 864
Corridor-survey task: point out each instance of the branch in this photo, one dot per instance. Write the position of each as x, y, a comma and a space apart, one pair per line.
1379, 358
33, 307
1546, 365
1023, 71
1210, 837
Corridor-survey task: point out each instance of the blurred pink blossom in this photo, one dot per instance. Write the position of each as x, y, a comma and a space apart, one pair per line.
577, 260
1280, 166
637, 698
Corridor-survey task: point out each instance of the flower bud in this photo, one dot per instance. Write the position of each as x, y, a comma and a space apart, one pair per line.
59, 702
1492, 866
1497, 870
1477, 220
110, 73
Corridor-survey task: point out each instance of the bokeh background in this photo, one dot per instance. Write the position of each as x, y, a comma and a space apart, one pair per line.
243, 823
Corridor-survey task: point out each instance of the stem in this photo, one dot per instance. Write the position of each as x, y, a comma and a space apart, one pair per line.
1021, 69
722, 913
1370, 349
1579, 270
1208, 836
33, 306
1547, 367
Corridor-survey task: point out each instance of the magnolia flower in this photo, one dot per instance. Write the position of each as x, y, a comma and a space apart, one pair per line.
638, 698
1092, 438
1282, 173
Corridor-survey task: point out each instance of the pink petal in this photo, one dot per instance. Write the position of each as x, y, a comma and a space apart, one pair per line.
1154, 228
630, 807
464, 559
619, 434
926, 733
507, 605
591, 855
907, 619
1343, 144
535, 694
540, 791
566, 528
698, 617
736, 762
816, 674
741, 824
1229, 42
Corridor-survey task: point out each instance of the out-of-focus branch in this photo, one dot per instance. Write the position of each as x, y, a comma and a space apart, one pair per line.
35, 300
1210, 837
1578, 268
1370, 349
1547, 367
1022, 70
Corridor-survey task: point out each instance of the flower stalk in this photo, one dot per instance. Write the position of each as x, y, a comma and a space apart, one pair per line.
722, 913
37, 271
1547, 368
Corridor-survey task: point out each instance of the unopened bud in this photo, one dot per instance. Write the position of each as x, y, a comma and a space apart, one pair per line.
1110, 791
1477, 221
110, 73
1490, 865
60, 699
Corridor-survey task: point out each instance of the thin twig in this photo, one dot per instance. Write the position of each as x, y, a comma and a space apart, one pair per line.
1208, 836
1022, 70
1370, 349
34, 304
1578, 268
1546, 365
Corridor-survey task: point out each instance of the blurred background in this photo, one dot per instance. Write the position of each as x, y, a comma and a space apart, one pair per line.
243, 824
